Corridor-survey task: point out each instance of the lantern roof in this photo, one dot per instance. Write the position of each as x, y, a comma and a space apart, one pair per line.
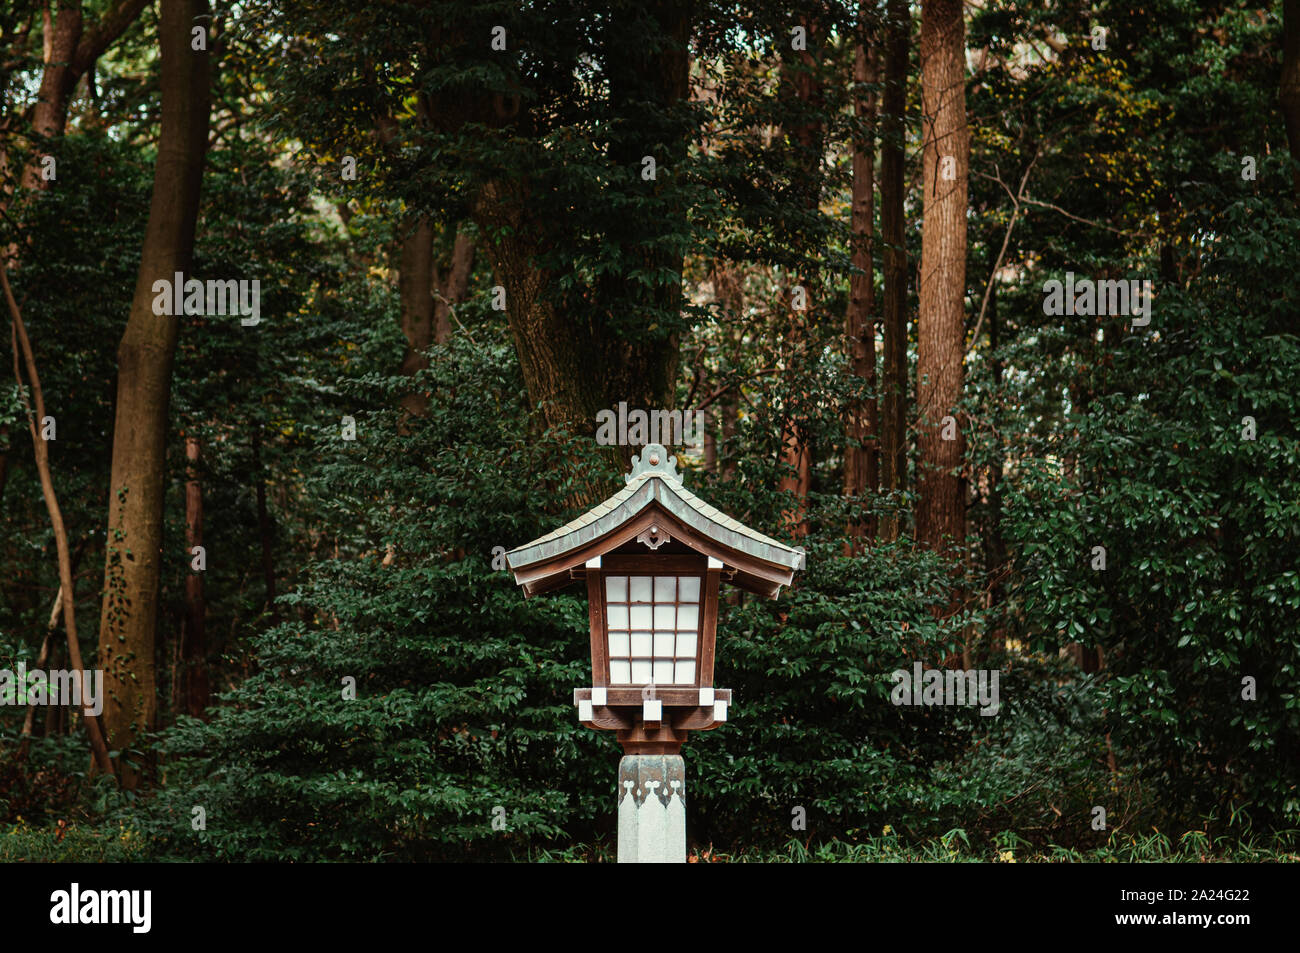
654, 499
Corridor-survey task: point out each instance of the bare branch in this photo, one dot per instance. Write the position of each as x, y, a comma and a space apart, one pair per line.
18, 334
110, 26
1016, 199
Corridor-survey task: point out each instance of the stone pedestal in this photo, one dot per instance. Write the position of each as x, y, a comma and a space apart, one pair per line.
652, 809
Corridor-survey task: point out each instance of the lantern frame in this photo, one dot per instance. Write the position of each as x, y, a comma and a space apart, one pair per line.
625, 536
655, 567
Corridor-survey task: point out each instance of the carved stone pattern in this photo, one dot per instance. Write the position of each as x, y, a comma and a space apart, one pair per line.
660, 775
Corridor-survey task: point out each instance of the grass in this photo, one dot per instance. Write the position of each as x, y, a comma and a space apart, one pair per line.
63, 842
1193, 847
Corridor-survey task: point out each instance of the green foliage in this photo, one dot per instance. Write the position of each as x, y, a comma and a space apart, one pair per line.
460, 687
1199, 524
463, 689
1082, 432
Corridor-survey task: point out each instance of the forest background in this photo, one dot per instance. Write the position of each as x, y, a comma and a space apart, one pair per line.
829, 227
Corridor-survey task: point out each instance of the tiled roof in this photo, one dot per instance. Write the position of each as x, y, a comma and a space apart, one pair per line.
654, 477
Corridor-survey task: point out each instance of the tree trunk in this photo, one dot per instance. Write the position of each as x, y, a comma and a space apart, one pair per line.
415, 291
995, 548
58, 79
427, 298
48, 657
796, 479
558, 355
128, 619
574, 361
710, 441
1289, 91
729, 411
861, 467
264, 531
893, 424
194, 657
453, 289
41, 451
55, 721
70, 51
42, 660
796, 453
941, 503
729, 289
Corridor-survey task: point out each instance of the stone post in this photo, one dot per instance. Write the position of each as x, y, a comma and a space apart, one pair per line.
652, 809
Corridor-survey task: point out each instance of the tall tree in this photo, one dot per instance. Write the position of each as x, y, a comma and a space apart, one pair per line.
415, 286
129, 613
802, 80
582, 350
194, 650
941, 498
451, 283
861, 455
428, 291
569, 144
893, 398
71, 50
1289, 90
35, 418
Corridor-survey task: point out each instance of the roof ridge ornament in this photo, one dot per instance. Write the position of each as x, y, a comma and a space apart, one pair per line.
653, 461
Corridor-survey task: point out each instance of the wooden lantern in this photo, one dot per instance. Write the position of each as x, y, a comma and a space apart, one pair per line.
653, 556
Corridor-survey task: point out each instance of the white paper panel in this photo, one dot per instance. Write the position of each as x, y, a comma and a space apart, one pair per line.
618, 617
689, 588
616, 588
620, 673
640, 589
618, 645
641, 644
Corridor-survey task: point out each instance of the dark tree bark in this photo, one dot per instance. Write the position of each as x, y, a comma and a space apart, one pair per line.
129, 615
42, 661
806, 85
710, 441
729, 290
729, 411
71, 51
569, 362
995, 549
941, 503
574, 360
415, 292
893, 401
453, 286
1289, 91
21, 344
55, 721
194, 655
265, 531
4, 460
861, 466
